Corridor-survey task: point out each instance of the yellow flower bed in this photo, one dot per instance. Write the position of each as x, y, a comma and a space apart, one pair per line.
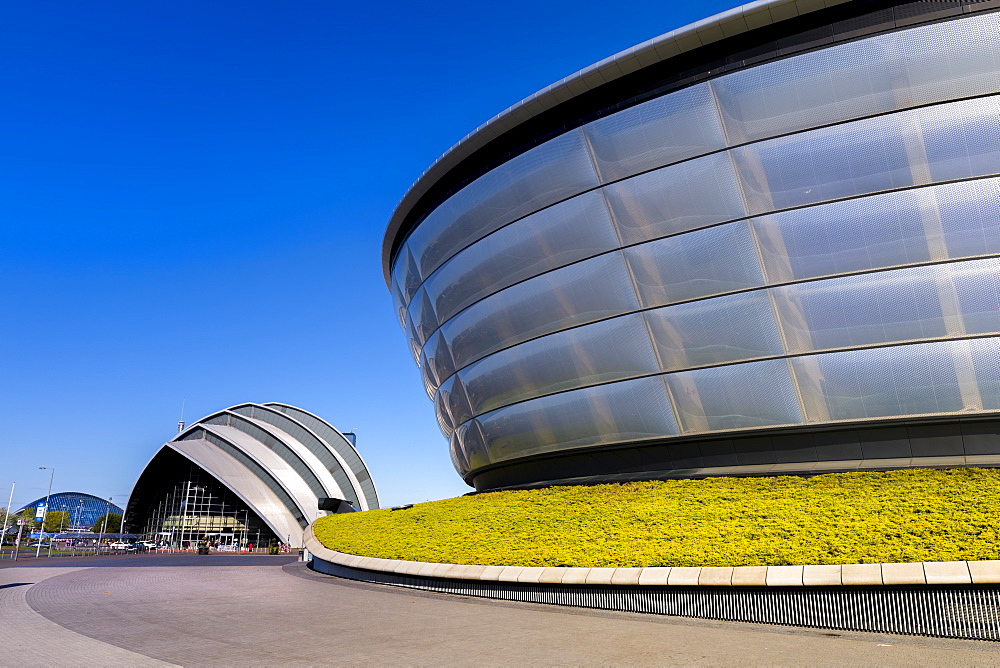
895, 516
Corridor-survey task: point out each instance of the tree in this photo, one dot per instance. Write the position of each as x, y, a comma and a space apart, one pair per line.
6, 514
114, 524
11, 521
28, 514
56, 521
30, 526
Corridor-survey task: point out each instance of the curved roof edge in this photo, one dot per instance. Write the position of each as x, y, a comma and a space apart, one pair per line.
372, 502
41, 499
706, 31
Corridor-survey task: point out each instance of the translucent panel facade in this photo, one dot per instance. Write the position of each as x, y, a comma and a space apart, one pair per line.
779, 251
544, 175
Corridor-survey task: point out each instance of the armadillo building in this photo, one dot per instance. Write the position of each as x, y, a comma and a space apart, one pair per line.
768, 242
250, 473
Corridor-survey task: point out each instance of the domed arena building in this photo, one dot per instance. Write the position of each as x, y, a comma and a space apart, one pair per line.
253, 473
765, 243
82, 510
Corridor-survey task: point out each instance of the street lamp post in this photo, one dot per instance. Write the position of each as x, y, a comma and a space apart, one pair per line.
62, 522
6, 516
52, 473
107, 511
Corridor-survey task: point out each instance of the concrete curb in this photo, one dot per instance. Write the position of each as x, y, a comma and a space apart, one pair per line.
926, 573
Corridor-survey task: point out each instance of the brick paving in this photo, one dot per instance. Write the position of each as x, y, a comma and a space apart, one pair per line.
29, 639
240, 610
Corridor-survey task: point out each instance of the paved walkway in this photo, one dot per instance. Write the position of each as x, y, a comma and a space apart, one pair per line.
29, 639
240, 610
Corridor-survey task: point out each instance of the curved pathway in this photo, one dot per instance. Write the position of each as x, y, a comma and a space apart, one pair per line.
239, 610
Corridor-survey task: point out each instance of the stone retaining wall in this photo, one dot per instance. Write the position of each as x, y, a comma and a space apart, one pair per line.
947, 599
920, 573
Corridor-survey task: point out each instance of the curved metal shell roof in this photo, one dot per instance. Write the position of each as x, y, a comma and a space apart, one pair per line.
278, 459
701, 33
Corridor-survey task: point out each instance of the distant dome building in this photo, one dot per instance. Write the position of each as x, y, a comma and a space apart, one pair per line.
764, 243
83, 509
250, 473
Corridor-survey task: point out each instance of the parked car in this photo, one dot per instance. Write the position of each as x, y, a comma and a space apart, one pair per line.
120, 545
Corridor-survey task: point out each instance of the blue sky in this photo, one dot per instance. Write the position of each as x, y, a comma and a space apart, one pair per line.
193, 199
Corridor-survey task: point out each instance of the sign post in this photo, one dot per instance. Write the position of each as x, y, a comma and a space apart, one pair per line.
17, 541
44, 507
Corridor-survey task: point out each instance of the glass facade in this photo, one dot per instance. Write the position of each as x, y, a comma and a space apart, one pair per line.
83, 510
809, 242
200, 509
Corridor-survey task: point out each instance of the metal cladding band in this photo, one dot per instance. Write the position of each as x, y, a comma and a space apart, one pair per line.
949, 611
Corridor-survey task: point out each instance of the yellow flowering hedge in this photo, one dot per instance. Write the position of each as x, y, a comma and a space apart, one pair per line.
894, 516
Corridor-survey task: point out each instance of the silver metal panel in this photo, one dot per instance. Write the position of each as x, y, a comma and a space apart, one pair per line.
679, 198
468, 447
574, 295
601, 352
952, 220
986, 355
665, 130
564, 233
293, 453
920, 379
437, 359
306, 454
421, 318
898, 305
406, 274
443, 416
937, 301
741, 396
922, 65
713, 331
452, 404
242, 482
970, 217
398, 305
340, 445
325, 462
426, 375
473, 443
977, 289
551, 172
290, 479
631, 410
458, 459
707, 262
961, 139
855, 235
907, 148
